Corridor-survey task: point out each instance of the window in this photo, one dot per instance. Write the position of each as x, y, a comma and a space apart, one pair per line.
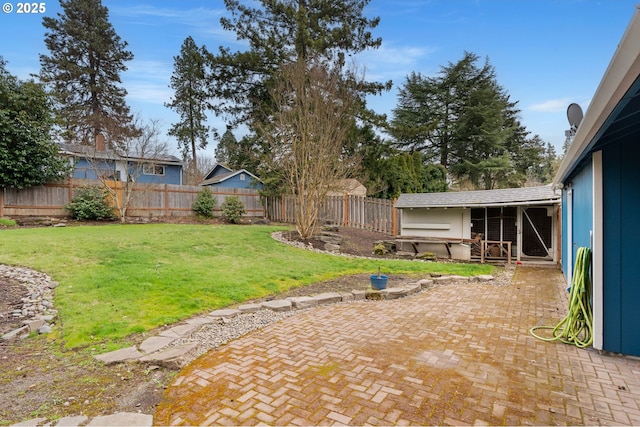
153, 170
242, 177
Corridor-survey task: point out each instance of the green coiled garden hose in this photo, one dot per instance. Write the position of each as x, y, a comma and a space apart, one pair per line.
577, 326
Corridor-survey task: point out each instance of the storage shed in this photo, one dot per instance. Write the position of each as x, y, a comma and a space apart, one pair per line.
518, 223
601, 198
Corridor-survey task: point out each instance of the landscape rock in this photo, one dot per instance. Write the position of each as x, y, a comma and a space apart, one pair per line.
394, 293
122, 419
117, 356
16, 333
176, 357
442, 280
331, 247
328, 298
301, 303
414, 288
425, 283
152, 344
278, 305
359, 295
226, 313
30, 423
180, 330
72, 421
45, 329
34, 325
347, 297
249, 308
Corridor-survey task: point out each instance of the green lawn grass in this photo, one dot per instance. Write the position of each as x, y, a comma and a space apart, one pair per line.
116, 280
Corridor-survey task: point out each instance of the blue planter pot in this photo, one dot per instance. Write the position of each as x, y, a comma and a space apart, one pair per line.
379, 281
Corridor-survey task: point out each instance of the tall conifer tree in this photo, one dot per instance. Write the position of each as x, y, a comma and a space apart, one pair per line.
189, 101
82, 71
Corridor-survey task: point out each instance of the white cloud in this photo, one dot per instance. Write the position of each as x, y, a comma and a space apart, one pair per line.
551, 106
392, 62
200, 21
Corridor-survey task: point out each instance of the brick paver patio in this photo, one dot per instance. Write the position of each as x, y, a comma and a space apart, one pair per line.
453, 355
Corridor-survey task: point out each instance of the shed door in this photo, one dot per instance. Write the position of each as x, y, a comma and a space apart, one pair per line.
537, 232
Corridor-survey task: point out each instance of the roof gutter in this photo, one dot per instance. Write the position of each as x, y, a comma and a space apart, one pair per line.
485, 205
622, 71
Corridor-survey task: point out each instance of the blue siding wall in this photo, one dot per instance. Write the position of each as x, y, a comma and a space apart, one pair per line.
236, 182
621, 200
172, 175
85, 170
582, 189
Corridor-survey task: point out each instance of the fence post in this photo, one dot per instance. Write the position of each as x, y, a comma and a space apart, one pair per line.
166, 201
1, 202
70, 189
394, 218
346, 210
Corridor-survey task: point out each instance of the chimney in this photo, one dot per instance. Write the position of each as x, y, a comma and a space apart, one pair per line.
100, 142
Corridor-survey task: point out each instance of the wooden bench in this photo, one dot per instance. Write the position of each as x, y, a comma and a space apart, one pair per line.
415, 241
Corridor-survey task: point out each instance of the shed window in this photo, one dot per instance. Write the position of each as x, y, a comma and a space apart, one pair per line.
242, 177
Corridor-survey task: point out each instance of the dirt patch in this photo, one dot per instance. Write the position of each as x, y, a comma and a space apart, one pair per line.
39, 378
12, 293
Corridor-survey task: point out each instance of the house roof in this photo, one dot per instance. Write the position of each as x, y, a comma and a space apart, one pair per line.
614, 111
481, 198
211, 172
225, 176
89, 151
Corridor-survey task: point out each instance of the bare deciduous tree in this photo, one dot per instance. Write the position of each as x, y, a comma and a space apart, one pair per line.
119, 167
310, 122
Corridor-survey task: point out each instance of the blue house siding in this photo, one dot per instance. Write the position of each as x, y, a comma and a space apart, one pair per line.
172, 175
580, 195
608, 137
237, 182
85, 170
621, 206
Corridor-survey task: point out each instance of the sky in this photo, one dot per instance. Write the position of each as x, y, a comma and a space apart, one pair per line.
546, 53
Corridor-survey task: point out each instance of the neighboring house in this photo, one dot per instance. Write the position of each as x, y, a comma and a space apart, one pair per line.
351, 187
220, 176
93, 162
601, 198
525, 217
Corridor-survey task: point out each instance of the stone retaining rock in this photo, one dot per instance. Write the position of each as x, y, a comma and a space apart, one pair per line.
37, 308
328, 298
277, 305
302, 303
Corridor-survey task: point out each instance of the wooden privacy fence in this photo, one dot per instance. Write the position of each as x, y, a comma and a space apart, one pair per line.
347, 211
166, 200
149, 200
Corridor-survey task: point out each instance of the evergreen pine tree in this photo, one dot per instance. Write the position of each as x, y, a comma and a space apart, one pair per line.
189, 101
82, 71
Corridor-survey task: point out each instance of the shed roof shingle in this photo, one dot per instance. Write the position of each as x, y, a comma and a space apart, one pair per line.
502, 197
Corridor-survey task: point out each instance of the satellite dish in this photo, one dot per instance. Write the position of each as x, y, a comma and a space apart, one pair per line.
574, 114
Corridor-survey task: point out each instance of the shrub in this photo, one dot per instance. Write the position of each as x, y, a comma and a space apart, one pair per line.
380, 249
7, 222
90, 203
232, 209
205, 203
